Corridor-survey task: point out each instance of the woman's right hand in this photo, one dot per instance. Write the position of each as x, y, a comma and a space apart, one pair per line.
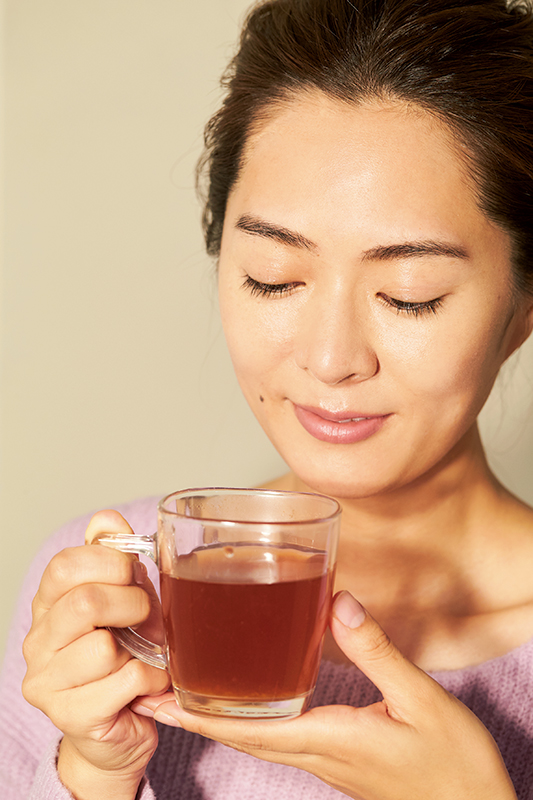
80, 677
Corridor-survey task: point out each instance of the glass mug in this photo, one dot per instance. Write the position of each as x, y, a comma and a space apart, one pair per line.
246, 578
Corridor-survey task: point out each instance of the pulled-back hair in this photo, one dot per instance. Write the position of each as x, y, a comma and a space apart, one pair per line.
469, 62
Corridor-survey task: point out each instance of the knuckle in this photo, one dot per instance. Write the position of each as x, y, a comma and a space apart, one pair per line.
37, 693
116, 567
253, 741
33, 648
85, 564
62, 565
124, 567
28, 648
143, 678
28, 690
134, 674
104, 647
62, 717
34, 692
86, 602
161, 682
139, 605
35, 605
379, 646
145, 606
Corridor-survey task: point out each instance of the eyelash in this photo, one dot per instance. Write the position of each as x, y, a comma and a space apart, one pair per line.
258, 289
415, 309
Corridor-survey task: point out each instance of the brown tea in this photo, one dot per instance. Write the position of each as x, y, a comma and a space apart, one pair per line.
246, 621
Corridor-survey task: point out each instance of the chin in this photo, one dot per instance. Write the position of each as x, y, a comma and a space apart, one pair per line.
346, 472
339, 483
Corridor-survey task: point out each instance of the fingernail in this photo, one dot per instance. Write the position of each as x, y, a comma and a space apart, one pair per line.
348, 611
167, 719
142, 711
140, 572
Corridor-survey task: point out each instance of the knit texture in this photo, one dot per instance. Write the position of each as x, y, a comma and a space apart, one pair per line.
188, 767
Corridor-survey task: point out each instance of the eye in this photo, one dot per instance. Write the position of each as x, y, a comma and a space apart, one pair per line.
258, 289
408, 307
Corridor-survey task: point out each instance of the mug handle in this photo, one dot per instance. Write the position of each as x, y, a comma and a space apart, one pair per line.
137, 645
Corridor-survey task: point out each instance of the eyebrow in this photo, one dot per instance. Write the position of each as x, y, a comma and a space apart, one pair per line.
408, 249
259, 227
268, 230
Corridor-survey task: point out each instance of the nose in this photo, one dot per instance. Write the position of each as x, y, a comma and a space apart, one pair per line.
333, 340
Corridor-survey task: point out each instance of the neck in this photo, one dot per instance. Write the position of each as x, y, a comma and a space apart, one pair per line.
440, 563
410, 549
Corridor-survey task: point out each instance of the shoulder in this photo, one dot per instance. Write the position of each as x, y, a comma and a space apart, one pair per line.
510, 553
501, 574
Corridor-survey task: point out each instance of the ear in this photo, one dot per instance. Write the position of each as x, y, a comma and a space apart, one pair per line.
522, 327
529, 316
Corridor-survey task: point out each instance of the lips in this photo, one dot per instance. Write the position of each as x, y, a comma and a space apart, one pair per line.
339, 428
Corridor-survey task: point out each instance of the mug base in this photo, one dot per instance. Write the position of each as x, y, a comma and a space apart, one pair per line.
241, 707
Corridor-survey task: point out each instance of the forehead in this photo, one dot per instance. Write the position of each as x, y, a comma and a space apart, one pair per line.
317, 159
346, 134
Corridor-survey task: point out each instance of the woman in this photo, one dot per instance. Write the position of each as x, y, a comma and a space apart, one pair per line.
369, 204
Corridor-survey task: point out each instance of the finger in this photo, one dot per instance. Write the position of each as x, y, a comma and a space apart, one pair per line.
305, 734
368, 646
105, 698
91, 658
81, 565
147, 705
77, 565
95, 705
153, 628
106, 521
317, 737
83, 609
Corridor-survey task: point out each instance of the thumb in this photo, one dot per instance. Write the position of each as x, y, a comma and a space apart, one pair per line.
366, 644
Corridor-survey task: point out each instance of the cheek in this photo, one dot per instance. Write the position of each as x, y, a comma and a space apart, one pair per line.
455, 366
256, 349
259, 337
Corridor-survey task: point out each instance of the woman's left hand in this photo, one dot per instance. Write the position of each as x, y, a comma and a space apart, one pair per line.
419, 742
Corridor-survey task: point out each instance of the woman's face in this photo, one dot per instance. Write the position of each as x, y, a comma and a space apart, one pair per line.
365, 297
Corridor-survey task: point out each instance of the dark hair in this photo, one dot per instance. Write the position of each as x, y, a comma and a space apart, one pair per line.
469, 62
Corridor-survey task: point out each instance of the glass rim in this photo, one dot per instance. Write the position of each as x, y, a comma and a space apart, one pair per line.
225, 490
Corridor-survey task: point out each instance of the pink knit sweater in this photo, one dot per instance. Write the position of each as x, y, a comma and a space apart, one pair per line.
188, 767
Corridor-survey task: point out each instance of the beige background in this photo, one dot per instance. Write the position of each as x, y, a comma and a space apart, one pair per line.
116, 382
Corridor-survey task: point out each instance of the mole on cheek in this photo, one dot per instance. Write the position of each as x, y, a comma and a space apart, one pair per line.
262, 398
